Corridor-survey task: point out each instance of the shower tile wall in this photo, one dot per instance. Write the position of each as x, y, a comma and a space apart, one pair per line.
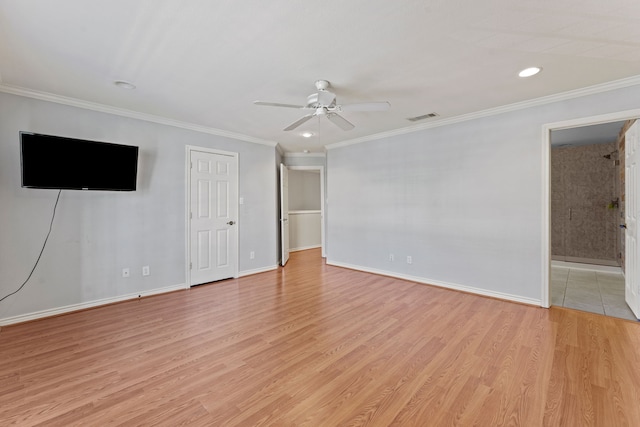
583, 184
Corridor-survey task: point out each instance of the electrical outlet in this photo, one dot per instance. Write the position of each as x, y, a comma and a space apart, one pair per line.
241, 200
390, 257
409, 259
252, 255
125, 272
145, 270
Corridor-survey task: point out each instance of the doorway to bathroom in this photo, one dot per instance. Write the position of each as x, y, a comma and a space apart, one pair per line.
587, 189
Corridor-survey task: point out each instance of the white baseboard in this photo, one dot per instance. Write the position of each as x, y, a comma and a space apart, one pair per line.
588, 267
89, 304
304, 248
588, 261
257, 270
453, 286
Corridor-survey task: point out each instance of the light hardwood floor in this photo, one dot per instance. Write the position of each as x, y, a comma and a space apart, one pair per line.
314, 345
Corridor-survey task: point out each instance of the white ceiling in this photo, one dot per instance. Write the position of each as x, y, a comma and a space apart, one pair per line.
586, 135
204, 62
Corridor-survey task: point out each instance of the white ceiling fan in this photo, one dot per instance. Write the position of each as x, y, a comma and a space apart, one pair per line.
323, 103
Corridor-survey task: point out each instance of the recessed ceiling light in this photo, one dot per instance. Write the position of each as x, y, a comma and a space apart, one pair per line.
307, 134
528, 72
305, 151
124, 85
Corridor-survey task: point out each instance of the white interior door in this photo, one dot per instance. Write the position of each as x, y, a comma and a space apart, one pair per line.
284, 213
213, 235
632, 284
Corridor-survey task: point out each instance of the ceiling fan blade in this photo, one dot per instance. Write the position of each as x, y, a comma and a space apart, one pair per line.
365, 106
340, 121
276, 104
298, 122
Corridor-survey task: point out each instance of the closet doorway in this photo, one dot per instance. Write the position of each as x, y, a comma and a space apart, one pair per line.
305, 216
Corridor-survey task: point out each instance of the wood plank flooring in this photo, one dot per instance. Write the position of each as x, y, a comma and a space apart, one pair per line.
315, 345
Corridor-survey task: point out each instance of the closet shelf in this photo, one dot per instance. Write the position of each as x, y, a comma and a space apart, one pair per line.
303, 212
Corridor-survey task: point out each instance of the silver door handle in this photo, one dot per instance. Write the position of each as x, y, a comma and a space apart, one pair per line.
284, 219
231, 223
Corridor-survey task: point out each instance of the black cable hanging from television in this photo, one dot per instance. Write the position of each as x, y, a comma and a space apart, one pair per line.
41, 251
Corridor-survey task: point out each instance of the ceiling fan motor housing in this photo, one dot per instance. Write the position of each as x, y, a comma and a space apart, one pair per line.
322, 84
322, 98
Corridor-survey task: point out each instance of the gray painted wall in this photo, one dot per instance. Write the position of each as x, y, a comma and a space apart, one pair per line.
304, 190
96, 234
302, 160
463, 200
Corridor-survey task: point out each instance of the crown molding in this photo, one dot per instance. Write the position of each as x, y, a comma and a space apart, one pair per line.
305, 155
562, 96
102, 108
280, 150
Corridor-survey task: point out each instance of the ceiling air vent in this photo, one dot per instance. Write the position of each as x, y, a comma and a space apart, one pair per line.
424, 116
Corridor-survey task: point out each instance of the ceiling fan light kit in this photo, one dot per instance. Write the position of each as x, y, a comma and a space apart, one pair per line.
323, 103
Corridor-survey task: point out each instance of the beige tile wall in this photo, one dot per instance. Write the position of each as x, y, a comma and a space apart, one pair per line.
583, 183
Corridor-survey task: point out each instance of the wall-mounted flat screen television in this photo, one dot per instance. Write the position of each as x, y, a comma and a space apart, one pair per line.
57, 162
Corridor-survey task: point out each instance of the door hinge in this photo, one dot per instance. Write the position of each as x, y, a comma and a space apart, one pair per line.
190, 266
190, 165
190, 215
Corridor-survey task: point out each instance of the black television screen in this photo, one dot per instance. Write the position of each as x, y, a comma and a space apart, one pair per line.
67, 163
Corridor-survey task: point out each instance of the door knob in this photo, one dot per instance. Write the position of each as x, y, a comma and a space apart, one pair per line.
623, 226
231, 223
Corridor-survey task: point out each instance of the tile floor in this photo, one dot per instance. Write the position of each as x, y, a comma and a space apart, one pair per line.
593, 291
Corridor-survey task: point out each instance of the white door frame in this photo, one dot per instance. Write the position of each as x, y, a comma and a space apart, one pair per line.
546, 183
187, 209
322, 199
